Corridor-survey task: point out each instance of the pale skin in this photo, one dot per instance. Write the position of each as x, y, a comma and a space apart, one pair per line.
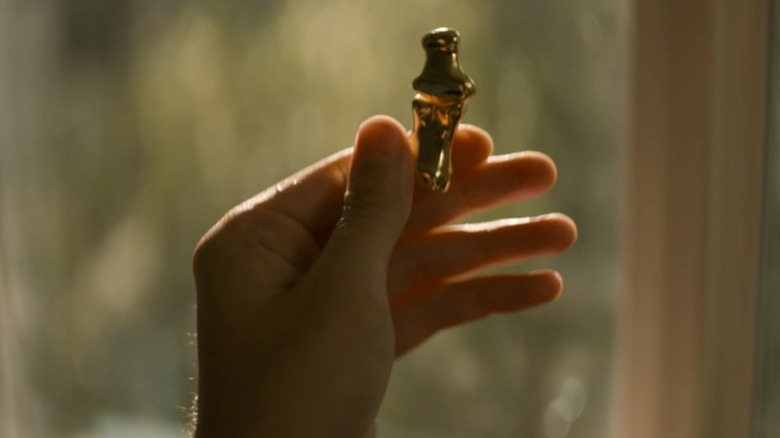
308, 292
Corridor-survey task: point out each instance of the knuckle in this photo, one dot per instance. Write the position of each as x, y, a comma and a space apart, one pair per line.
206, 253
370, 201
213, 249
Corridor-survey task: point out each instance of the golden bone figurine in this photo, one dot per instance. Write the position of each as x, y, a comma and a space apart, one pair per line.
442, 91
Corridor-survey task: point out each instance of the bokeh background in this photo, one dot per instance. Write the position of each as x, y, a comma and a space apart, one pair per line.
127, 128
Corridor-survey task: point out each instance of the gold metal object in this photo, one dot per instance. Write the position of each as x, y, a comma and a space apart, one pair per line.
442, 91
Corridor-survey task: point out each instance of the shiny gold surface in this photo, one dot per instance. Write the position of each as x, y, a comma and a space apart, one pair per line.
442, 91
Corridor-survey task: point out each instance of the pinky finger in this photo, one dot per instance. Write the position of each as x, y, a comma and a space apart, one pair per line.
421, 316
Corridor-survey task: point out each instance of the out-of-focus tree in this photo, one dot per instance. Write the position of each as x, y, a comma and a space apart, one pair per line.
128, 128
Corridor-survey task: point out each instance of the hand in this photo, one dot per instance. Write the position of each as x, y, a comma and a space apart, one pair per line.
308, 291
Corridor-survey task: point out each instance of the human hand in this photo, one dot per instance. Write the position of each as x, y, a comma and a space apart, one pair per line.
308, 291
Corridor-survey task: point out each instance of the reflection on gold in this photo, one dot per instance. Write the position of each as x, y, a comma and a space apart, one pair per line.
442, 91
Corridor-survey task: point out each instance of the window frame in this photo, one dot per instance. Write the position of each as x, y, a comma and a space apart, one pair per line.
692, 213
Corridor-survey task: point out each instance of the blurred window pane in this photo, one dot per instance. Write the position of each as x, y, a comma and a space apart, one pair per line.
128, 128
767, 402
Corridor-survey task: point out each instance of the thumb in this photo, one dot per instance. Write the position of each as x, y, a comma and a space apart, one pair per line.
341, 314
378, 197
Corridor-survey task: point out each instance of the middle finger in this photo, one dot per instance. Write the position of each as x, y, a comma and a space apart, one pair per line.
500, 180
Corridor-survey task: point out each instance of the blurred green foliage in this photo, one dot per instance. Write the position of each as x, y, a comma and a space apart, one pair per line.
128, 128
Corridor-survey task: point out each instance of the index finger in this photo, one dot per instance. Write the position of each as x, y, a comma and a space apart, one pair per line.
313, 197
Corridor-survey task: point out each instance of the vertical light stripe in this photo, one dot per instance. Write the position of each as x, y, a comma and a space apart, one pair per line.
693, 175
